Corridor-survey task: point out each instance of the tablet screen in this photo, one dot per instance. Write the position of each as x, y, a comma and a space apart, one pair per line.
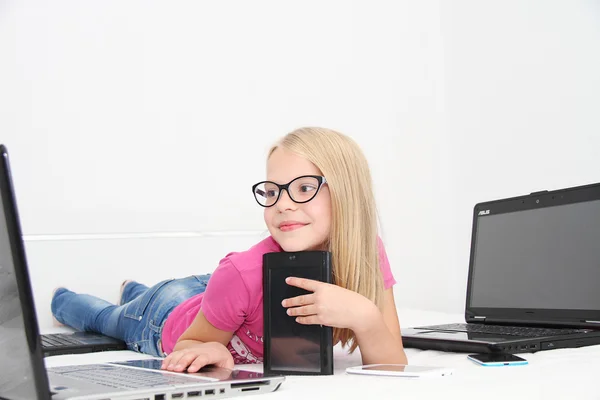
294, 347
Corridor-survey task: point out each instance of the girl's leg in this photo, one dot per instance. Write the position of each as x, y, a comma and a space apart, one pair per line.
131, 290
138, 323
84, 312
90, 313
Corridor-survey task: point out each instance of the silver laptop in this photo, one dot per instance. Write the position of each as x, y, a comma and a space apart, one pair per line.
533, 277
24, 376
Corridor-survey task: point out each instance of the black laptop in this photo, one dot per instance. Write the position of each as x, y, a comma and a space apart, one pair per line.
54, 344
23, 375
58, 343
534, 277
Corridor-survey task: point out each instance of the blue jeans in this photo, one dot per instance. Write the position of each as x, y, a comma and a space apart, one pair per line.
138, 321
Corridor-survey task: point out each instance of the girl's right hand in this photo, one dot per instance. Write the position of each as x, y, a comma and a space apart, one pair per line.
197, 356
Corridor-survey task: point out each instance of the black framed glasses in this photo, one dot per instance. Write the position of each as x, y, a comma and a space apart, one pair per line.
301, 190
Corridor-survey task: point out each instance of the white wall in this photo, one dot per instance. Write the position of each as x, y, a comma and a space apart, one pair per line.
522, 102
128, 121
129, 116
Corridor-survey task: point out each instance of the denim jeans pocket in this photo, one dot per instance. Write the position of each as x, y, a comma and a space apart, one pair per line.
139, 346
147, 341
154, 327
156, 332
135, 309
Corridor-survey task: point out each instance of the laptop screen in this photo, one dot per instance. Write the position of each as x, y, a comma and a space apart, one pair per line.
16, 379
540, 258
22, 375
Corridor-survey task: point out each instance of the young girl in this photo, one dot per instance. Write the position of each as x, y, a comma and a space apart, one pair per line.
317, 196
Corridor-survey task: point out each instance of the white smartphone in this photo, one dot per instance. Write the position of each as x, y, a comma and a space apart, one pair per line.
408, 371
496, 359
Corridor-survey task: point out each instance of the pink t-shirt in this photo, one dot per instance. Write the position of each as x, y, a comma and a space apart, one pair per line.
233, 302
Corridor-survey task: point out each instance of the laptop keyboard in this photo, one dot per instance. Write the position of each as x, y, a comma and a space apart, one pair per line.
122, 377
58, 340
504, 330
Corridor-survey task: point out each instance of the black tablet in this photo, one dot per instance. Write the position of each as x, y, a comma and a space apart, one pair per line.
291, 348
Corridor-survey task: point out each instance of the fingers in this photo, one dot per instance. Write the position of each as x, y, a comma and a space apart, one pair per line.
179, 361
221, 360
198, 363
306, 284
309, 320
193, 359
303, 311
167, 361
299, 301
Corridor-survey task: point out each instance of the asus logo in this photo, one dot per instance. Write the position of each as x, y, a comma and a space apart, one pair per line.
484, 212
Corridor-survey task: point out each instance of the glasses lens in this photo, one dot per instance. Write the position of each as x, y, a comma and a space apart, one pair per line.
266, 193
304, 189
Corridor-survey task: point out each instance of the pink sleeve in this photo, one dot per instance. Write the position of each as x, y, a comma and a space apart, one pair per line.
226, 298
384, 264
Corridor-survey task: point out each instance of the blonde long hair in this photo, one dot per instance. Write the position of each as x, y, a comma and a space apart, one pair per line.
353, 234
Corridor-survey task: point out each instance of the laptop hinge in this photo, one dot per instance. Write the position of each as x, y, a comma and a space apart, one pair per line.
479, 317
592, 322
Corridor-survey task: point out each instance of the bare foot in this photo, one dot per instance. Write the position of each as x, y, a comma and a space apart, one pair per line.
125, 283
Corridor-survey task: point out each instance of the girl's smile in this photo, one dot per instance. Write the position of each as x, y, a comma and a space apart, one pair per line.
287, 226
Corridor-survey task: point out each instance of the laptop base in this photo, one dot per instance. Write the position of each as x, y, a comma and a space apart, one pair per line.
427, 339
54, 344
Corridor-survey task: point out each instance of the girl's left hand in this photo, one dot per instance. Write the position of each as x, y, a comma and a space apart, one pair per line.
329, 305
